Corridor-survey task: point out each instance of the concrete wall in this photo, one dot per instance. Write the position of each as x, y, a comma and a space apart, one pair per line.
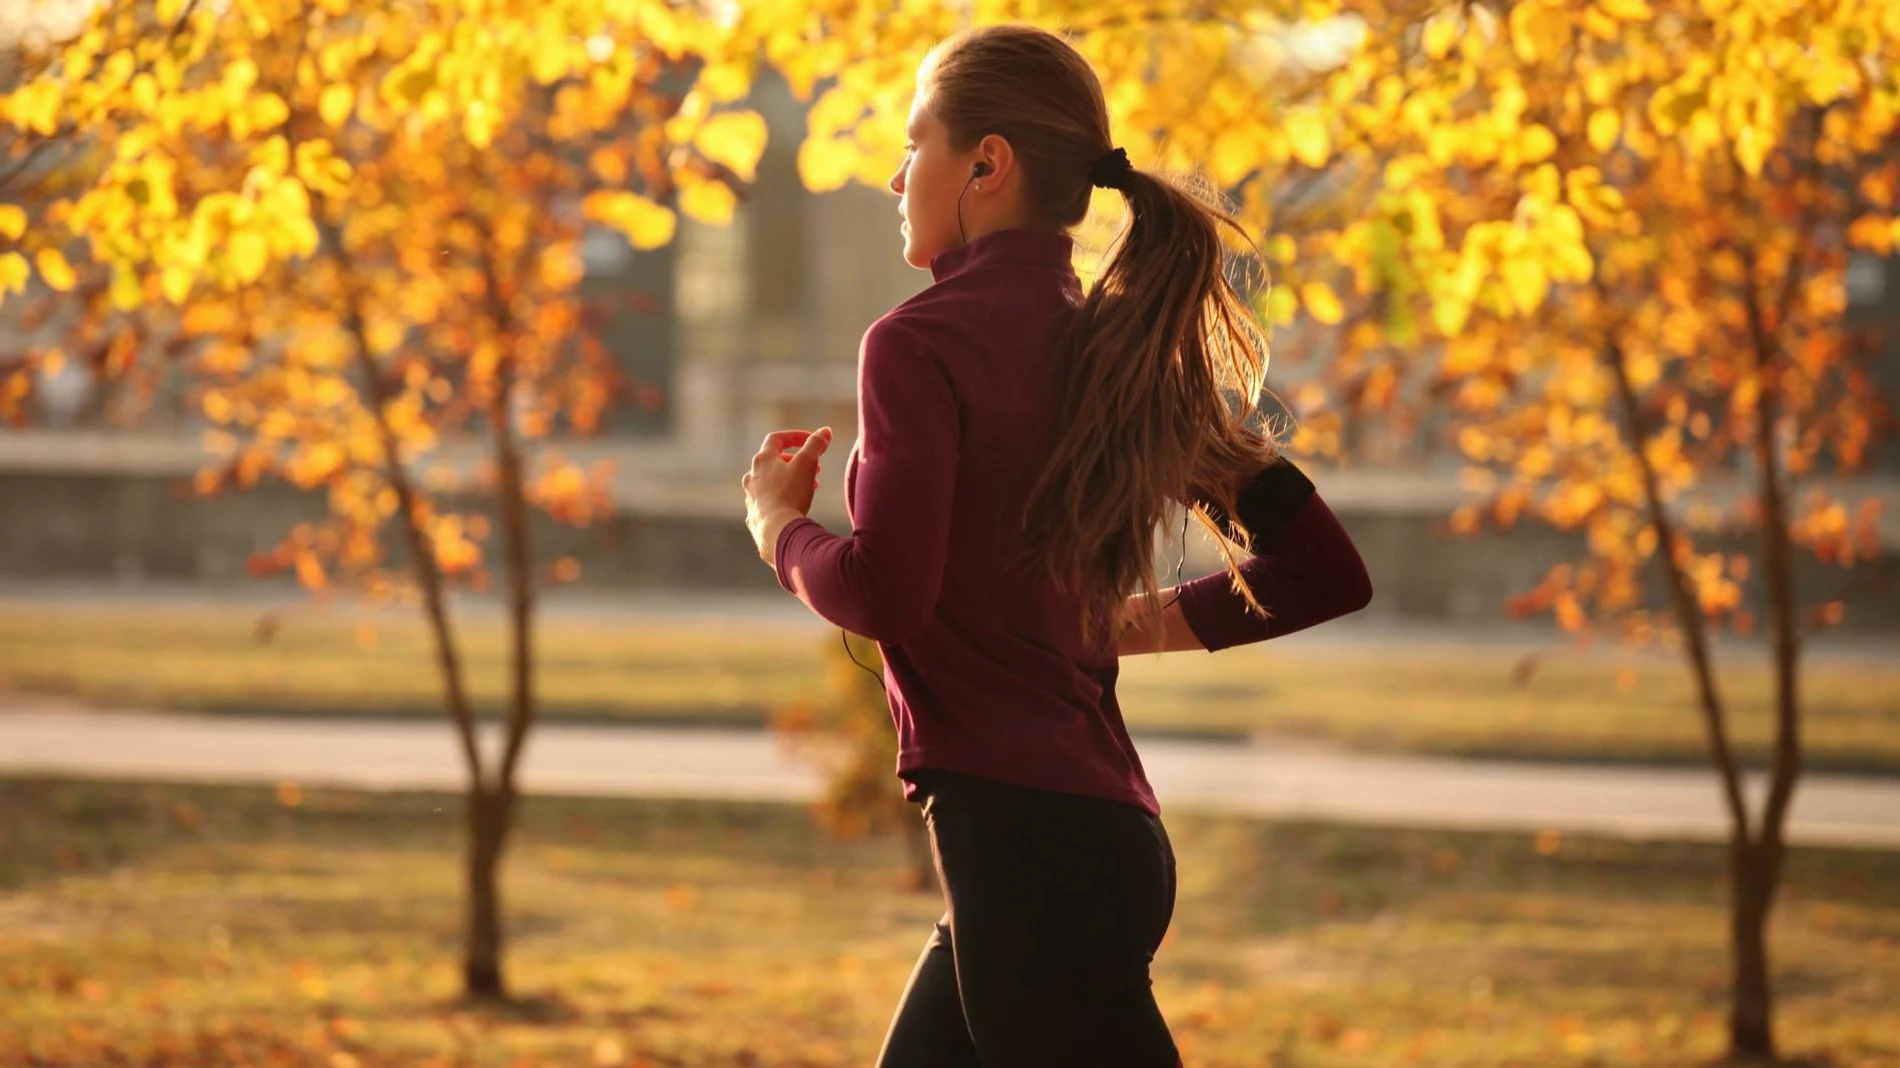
143, 525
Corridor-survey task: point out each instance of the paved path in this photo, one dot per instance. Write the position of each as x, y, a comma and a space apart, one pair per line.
1274, 779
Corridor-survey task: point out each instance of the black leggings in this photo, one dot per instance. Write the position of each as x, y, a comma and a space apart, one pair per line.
1056, 904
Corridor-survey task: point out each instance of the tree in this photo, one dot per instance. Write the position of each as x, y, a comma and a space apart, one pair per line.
1627, 229
364, 222
1606, 238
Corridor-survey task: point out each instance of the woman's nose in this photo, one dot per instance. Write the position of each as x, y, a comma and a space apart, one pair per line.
897, 180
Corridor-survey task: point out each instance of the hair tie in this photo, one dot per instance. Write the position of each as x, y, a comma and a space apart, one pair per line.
1111, 171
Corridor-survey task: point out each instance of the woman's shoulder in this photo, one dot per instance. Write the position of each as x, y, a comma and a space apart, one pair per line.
934, 305
966, 312
921, 324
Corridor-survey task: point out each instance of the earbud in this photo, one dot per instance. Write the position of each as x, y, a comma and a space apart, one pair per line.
976, 172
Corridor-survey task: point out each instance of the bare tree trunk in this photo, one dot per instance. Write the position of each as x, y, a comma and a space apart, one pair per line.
1753, 873
1754, 865
490, 812
486, 820
494, 817
1758, 878
486, 812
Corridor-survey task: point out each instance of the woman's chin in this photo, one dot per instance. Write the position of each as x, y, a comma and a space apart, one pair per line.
911, 250
916, 253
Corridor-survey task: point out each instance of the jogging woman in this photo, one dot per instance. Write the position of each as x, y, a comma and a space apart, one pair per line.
1020, 441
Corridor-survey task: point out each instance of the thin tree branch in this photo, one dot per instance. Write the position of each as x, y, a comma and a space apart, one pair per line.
409, 507
1688, 613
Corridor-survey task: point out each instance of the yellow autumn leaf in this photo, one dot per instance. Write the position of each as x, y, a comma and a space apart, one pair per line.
1426, 233
1282, 307
825, 163
1232, 157
176, 281
1751, 149
1539, 31
14, 273
609, 165
1449, 313
1536, 143
800, 70
1321, 303
54, 269
1441, 31
128, 290
548, 62
35, 106
144, 93
267, 111
733, 139
1307, 136
1871, 232
1627, 10
561, 266
707, 200
725, 81
12, 221
248, 255
336, 103
1605, 126
478, 123
239, 75
646, 224
319, 169
1643, 368
1527, 282
1599, 25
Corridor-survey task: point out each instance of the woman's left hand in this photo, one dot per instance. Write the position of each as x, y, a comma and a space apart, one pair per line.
779, 488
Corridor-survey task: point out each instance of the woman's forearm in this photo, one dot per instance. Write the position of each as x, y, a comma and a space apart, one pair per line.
1310, 574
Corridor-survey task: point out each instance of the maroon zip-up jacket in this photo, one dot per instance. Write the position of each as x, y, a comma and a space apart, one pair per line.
987, 671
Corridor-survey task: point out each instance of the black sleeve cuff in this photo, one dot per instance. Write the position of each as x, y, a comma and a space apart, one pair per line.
1267, 503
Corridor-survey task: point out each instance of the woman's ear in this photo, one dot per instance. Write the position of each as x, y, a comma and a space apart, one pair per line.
995, 157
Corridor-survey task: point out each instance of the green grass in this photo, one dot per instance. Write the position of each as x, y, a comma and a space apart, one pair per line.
148, 925
1576, 706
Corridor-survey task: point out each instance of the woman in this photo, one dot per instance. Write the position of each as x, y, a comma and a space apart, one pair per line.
1019, 443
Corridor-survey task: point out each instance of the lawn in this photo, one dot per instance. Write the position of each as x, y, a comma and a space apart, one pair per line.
1439, 700
170, 925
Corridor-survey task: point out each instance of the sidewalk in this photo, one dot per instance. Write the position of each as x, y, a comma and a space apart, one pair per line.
1267, 779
